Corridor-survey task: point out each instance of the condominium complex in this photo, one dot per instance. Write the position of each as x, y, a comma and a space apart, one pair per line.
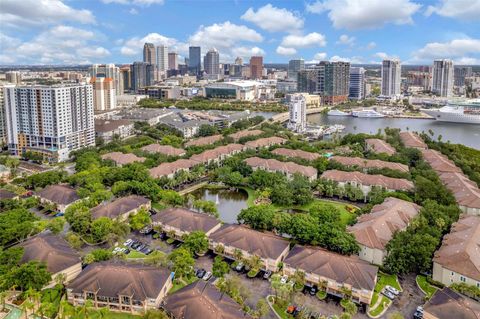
256, 67
13, 77
294, 66
3, 128
391, 71
211, 62
104, 97
108, 71
442, 80
297, 113
149, 55
460, 73
307, 80
357, 83
49, 120
333, 81
162, 61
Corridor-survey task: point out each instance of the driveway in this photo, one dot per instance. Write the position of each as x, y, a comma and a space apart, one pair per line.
410, 298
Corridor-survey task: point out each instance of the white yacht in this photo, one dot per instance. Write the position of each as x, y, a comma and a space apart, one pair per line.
457, 112
367, 113
338, 113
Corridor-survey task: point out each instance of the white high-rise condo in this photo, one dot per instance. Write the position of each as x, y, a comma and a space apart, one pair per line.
162, 61
442, 79
391, 72
357, 83
104, 97
108, 71
297, 109
49, 120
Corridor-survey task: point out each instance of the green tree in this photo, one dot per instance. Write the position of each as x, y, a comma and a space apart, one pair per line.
101, 254
220, 268
140, 219
258, 217
28, 275
206, 130
182, 262
100, 228
196, 242
56, 225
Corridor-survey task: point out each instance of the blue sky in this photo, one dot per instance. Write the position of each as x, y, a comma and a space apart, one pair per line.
359, 31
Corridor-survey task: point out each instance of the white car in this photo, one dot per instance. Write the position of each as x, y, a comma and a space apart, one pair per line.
207, 275
128, 242
283, 280
117, 250
392, 290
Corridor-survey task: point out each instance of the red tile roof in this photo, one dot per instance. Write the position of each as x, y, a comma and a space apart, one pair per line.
284, 167
366, 163
368, 180
309, 156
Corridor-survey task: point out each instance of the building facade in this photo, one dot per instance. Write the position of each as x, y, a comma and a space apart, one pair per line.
162, 61
211, 62
142, 75
357, 84
307, 80
293, 67
172, 61
391, 78
194, 60
333, 81
297, 109
108, 71
442, 79
460, 73
256, 67
50, 120
104, 95
149, 55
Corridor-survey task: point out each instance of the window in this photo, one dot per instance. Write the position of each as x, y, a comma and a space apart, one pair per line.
462, 279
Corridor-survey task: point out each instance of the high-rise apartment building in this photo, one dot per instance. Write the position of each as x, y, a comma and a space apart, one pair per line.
422, 79
238, 61
142, 74
357, 83
162, 61
391, 78
172, 61
256, 67
293, 67
307, 80
333, 81
211, 62
460, 73
104, 96
194, 60
442, 78
3, 128
149, 55
126, 77
108, 71
49, 120
297, 109
13, 77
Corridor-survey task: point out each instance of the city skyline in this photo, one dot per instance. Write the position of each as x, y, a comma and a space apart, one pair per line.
359, 32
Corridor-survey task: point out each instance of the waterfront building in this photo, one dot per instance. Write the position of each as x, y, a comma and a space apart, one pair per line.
297, 109
442, 80
391, 78
460, 73
293, 67
64, 124
194, 60
256, 67
307, 80
357, 84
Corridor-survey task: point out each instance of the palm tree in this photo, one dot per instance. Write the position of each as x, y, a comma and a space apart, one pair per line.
3, 299
237, 254
103, 313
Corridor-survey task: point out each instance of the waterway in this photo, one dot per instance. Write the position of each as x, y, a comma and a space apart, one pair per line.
229, 202
467, 134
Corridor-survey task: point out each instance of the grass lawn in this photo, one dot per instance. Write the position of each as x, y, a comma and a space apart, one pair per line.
280, 311
158, 206
135, 254
112, 315
382, 281
378, 310
251, 195
425, 286
180, 283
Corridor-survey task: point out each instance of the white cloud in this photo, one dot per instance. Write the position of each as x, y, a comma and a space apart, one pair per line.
133, 11
384, 56
143, 3
346, 40
18, 14
365, 14
320, 56
286, 51
313, 39
273, 19
353, 60
134, 46
461, 9
456, 49
371, 45
467, 61
246, 52
59, 44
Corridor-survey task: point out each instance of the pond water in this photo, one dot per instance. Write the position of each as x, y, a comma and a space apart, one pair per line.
229, 202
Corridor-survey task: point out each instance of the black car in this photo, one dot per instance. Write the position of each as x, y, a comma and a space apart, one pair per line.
418, 315
135, 244
142, 246
146, 251
200, 273
127, 251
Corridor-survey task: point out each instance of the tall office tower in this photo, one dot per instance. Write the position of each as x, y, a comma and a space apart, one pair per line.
104, 96
162, 61
49, 120
13, 77
293, 67
391, 72
142, 74
126, 78
460, 73
3, 129
357, 84
172, 61
333, 81
211, 62
307, 80
442, 79
256, 67
107, 71
194, 60
149, 53
297, 109
239, 61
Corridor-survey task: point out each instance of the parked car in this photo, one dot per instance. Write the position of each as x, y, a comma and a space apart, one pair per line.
392, 290
207, 276
127, 251
59, 214
146, 230
239, 266
135, 244
388, 294
117, 250
418, 315
291, 309
313, 291
139, 248
420, 309
200, 273
147, 251
128, 242
267, 274
177, 245
283, 280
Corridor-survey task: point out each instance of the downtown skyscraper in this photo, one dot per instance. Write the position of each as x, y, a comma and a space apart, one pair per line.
195, 60
256, 67
391, 77
211, 62
357, 83
162, 61
442, 78
294, 66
